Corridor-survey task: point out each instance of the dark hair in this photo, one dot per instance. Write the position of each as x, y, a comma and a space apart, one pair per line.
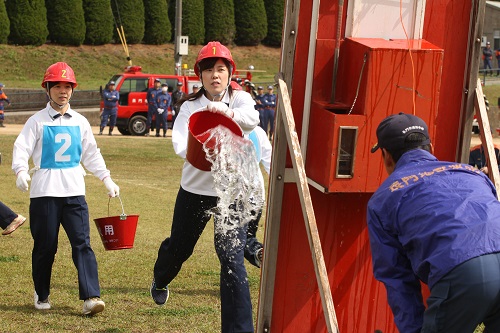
412, 141
203, 65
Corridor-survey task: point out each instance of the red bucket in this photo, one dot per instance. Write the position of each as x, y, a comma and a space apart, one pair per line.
199, 125
117, 232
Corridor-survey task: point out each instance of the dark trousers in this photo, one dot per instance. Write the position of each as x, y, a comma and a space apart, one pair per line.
6, 215
161, 119
47, 214
190, 218
465, 297
108, 114
151, 112
269, 120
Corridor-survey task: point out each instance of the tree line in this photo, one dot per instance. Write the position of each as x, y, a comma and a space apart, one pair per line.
94, 22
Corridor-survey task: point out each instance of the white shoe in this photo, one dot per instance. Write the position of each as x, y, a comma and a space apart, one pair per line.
41, 305
93, 305
16, 223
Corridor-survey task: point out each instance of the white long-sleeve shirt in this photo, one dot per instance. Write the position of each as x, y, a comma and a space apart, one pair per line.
194, 180
57, 145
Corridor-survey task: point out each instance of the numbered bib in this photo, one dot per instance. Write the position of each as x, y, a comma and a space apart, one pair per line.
61, 147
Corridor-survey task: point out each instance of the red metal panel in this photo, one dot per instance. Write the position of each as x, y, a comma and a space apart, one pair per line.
360, 301
387, 79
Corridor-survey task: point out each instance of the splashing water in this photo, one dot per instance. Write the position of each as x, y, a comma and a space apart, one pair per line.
235, 170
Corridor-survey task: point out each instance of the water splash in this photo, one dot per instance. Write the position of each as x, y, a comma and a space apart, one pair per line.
235, 170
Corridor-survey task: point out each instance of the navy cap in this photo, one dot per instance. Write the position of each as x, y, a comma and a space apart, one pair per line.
157, 80
269, 87
2, 85
195, 86
111, 83
164, 84
393, 130
179, 83
260, 88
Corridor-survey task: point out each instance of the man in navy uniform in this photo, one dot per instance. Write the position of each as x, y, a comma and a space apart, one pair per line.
163, 101
176, 97
111, 98
269, 110
151, 99
259, 105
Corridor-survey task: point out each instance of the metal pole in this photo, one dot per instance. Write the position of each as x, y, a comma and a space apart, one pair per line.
178, 33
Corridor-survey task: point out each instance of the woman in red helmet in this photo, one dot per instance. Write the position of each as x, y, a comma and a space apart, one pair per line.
58, 140
196, 196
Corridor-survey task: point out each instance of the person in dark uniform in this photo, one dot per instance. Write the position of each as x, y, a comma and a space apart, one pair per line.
438, 223
110, 111
269, 110
487, 57
151, 99
176, 97
259, 105
163, 101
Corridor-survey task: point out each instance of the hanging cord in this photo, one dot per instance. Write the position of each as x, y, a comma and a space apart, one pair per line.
121, 33
411, 56
359, 83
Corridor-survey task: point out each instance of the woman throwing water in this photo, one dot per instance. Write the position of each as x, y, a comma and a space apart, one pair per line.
196, 197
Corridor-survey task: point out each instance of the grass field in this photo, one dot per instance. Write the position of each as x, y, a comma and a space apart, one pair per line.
148, 173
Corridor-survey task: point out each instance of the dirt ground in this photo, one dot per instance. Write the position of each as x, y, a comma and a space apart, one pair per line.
15, 129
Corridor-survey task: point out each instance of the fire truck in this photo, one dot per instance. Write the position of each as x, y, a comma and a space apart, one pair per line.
133, 85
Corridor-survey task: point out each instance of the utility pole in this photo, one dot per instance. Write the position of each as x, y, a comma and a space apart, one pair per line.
178, 33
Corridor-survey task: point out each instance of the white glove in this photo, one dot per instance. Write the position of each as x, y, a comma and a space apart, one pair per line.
160, 111
173, 113
113, 189
220, 107
22, 181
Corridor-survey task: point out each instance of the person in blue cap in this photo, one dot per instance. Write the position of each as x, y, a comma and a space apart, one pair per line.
269, 110
438, 223
3, 99
110, 111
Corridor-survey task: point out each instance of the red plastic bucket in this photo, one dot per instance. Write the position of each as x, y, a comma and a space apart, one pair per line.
199, 125
117, 232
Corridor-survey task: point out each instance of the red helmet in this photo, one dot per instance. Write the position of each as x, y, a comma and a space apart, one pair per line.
59, 72
214, 50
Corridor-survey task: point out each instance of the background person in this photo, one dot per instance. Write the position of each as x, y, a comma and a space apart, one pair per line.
111, 98
151, 99
162, 103
269, 110
3, 99
177, 95
214, 66
487, 57
259, 105
57, 139
437, 223
196, 88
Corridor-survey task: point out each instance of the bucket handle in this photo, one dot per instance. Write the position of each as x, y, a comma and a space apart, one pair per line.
123, 216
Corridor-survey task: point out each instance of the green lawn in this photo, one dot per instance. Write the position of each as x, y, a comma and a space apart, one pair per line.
148, 173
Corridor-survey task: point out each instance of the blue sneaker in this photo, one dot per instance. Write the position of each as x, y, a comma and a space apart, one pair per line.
160, 295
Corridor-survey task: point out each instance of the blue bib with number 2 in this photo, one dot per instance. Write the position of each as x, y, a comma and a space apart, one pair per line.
61, 147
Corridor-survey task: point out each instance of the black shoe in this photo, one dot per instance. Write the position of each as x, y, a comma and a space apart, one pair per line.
157, 135
160, 295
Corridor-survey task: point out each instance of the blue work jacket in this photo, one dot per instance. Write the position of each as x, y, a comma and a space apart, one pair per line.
111, 99
425, 219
